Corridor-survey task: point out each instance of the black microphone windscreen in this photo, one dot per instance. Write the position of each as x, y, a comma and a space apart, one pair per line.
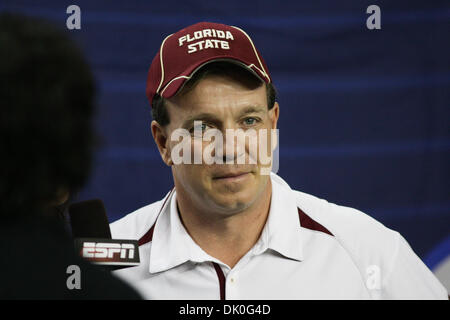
88, 220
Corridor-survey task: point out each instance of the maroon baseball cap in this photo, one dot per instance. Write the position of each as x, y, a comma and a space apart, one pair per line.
183, 53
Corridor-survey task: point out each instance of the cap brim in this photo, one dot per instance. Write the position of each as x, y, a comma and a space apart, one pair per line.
177, 84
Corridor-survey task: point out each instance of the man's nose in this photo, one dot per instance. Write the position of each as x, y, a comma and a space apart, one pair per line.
233, 146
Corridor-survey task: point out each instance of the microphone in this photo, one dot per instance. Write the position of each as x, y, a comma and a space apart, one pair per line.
88, 219
90, 228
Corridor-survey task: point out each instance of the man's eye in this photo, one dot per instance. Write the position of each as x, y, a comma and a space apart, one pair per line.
250, 121
200, 128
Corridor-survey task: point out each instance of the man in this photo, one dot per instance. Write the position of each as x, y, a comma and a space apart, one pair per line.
46, 143
230, 230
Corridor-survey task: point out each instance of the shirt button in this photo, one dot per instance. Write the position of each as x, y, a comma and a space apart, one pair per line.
232, 280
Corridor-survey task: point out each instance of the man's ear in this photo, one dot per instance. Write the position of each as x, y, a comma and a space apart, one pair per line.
274, 114
162, 142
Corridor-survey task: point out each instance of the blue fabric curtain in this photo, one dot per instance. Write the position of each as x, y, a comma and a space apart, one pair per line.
365, 114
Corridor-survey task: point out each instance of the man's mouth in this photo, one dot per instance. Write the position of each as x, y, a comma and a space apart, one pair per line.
231, 176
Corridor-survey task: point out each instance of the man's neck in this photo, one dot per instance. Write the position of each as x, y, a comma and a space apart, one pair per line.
226, 238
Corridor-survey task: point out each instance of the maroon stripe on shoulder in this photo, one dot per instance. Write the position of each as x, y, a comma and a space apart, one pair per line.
148, 236
308, 223
221, 280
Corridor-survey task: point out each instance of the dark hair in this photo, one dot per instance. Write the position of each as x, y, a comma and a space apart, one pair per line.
47, 95
159, 110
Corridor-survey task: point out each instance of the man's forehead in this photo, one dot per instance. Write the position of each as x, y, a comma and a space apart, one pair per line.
214, 91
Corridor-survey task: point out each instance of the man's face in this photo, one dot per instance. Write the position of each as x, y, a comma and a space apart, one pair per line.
221, 103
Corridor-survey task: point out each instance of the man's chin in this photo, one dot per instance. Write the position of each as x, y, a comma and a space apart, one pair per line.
232, 202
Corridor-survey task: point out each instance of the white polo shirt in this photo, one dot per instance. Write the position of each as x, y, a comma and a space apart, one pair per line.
308, 249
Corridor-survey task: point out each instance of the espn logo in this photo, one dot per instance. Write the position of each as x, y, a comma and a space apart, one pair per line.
107, 252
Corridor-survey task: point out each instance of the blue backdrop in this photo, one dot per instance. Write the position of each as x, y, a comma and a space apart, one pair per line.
365, 114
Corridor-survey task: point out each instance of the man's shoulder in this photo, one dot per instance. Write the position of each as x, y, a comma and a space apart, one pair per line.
371, 246
346, 222
355, 230
135, 224
383, 257
359, 234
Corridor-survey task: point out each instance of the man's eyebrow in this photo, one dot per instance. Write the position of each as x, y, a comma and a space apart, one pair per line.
208, 117
212, 118
252, 109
